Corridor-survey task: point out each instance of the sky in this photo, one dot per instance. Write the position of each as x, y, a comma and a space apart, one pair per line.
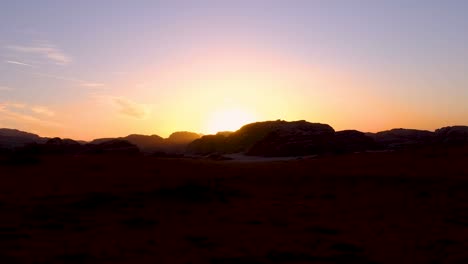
89, 69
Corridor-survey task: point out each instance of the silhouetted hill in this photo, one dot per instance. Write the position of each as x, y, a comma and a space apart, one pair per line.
13, 138
100, 140
182, 137
353, 141
400, 137
62, 142
114, 146
53, 146
269, 138
143, 142
8, 132
225, 133
290, 139
453, 134
298, 138
175, 143
209, 144
61, 146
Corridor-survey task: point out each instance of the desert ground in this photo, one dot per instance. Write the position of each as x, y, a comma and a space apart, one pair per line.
406, 206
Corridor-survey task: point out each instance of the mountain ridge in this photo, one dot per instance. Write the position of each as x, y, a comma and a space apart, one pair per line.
266, 138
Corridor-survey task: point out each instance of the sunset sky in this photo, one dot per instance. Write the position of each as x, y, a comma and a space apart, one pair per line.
88, 69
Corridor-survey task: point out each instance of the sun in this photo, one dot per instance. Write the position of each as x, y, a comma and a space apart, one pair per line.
229, 120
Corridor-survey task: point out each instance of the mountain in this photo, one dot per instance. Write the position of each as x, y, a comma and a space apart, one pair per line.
13, 138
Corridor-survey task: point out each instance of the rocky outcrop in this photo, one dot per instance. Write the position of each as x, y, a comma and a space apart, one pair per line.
182, 137
114, 146
400, 138
270, 138
175, 143
348, 141
452, 135
293, 139
61, 142
144, 142
61, 146
209, 144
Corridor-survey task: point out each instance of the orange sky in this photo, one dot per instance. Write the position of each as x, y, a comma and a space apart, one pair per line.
75, 70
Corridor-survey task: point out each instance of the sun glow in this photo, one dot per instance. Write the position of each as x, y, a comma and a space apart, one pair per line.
229, 120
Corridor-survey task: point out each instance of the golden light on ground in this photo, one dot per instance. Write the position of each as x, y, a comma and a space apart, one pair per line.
230, 119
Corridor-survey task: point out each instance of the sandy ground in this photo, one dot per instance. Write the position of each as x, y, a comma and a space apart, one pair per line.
403, 207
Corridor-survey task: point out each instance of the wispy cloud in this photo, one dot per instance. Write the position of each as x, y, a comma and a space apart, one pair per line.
42, 110
22, 114
130, 108
18, 63
45, 50
80, 82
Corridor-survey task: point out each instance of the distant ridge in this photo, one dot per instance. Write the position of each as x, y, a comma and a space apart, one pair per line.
268, 138
298, 138
176, 142
12, 138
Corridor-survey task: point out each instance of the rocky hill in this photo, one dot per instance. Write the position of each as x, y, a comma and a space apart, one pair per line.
400, 137
270, 138
176, 142
452, 135
13, 138
298, 138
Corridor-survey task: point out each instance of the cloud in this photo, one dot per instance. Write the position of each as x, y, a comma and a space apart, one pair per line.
48, 51
130, 108
18, 63
42, 110
22, 114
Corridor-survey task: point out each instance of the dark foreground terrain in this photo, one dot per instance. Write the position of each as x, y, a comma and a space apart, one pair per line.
397, 207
